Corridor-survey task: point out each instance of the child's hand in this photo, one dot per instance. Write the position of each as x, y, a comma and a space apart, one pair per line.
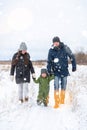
33, 76
50, 74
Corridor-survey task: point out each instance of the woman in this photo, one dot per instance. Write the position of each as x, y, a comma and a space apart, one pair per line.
23, 66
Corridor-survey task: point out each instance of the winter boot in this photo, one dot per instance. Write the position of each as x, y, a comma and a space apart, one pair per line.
47, 99
45, 103
20, 100
56, 98
26, 99
39, 102
62, 96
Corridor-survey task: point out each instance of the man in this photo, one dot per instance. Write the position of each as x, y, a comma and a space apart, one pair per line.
23, 66
58, 63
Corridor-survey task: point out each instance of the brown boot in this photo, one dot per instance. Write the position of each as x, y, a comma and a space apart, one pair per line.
47, 99
21, 100
62, 96
26, 99
56, 98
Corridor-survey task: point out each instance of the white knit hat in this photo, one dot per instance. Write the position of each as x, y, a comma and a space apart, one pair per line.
22, 46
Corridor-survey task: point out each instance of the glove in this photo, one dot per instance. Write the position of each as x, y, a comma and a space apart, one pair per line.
12, 78
33, 76
73, 69
49, 74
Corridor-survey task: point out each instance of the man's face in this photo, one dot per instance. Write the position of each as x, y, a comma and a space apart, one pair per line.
56, 44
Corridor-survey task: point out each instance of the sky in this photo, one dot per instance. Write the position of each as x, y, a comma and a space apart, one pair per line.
36, 22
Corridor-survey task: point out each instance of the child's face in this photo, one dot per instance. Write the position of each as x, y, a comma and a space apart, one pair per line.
43, 75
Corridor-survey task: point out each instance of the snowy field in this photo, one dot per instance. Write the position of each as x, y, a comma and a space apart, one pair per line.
28, 116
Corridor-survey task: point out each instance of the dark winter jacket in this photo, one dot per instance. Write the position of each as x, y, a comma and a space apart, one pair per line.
58, 60
23, 66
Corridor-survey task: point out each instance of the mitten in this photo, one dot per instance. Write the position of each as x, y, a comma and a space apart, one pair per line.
73, 69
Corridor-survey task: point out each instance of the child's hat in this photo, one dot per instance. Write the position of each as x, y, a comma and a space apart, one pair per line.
43, 71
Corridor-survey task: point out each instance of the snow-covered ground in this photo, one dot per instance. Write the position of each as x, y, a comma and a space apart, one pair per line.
28, 116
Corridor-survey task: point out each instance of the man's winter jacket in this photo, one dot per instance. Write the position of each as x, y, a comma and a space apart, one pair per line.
58, 60
23, 65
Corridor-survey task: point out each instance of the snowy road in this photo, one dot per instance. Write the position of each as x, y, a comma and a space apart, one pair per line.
38, 118
71, 116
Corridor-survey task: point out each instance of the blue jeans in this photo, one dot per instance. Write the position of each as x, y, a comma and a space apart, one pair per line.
58, 80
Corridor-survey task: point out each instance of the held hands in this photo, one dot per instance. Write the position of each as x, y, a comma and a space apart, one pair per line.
33, 76
50, 74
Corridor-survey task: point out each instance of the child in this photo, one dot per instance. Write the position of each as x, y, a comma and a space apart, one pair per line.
43, 80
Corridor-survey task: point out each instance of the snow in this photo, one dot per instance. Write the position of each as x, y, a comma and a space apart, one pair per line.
29, 116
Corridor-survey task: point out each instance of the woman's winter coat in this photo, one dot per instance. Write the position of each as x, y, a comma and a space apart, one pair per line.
23, 66
58, 60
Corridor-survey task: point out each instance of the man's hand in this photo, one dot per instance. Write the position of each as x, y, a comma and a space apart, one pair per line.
73, 69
